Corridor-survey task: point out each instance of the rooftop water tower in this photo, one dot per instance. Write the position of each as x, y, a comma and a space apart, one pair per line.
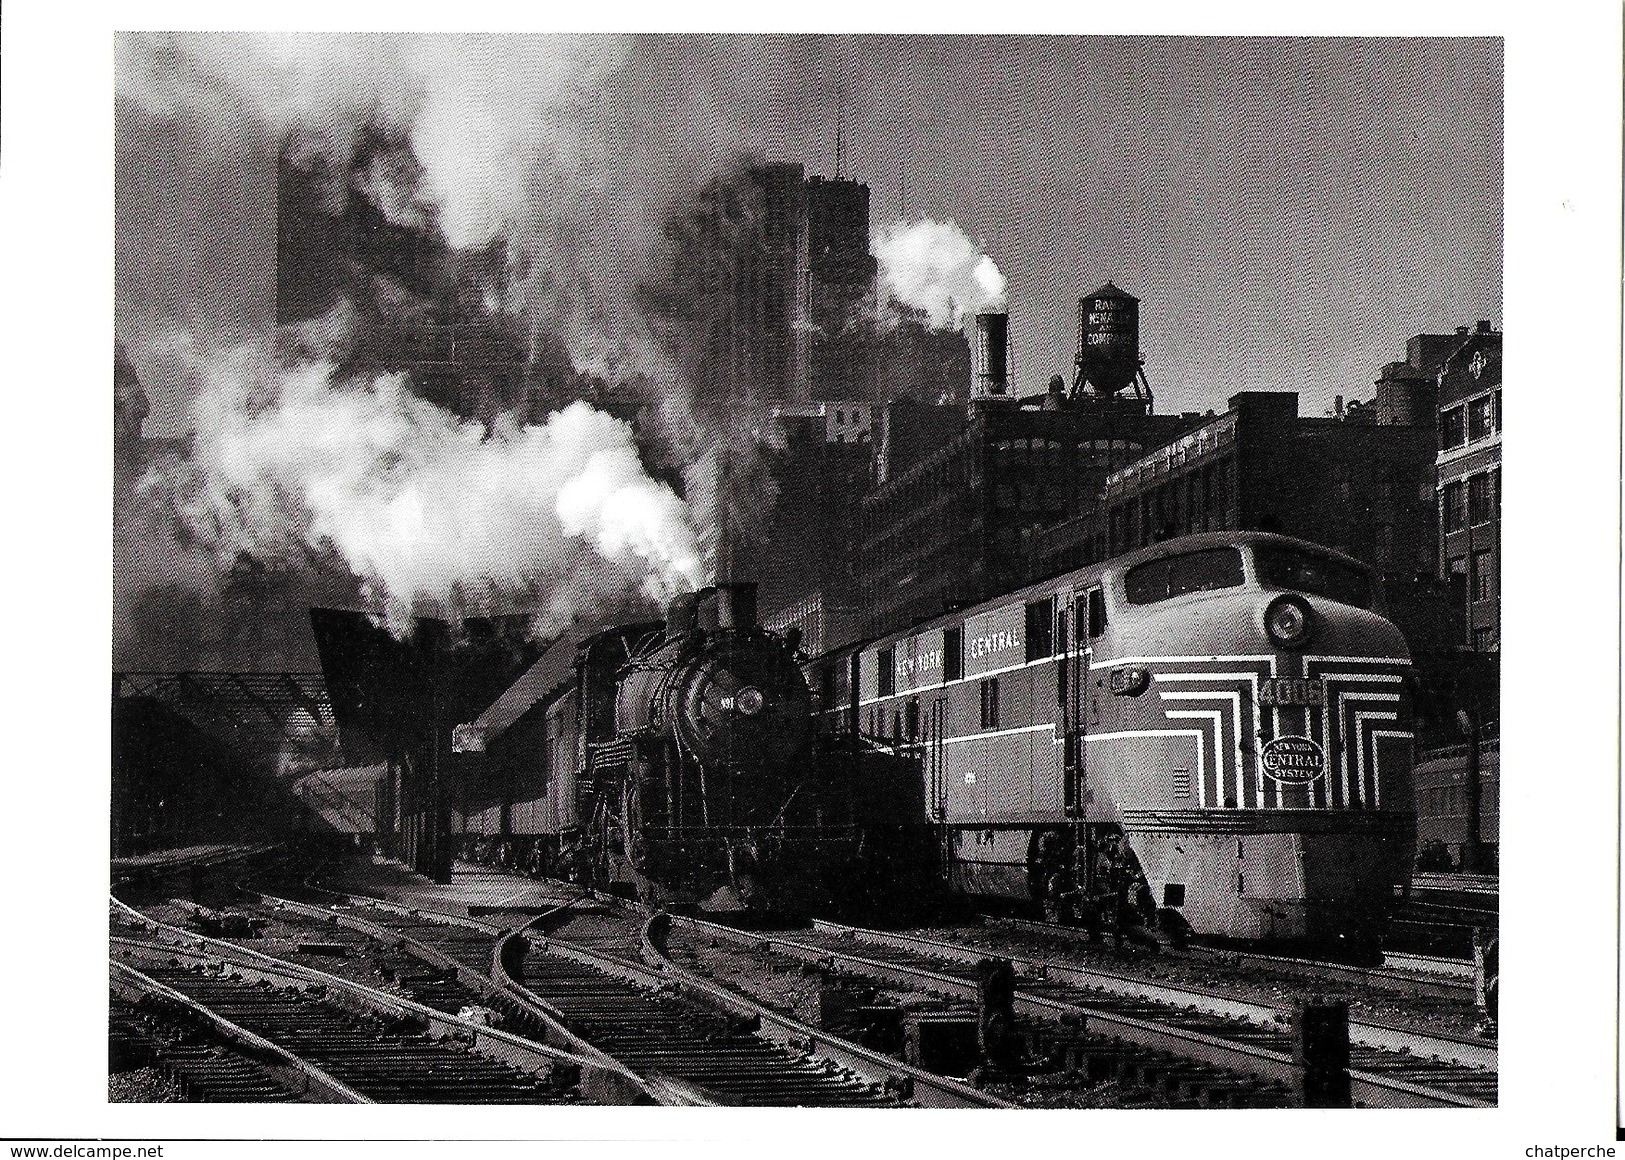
1108, 361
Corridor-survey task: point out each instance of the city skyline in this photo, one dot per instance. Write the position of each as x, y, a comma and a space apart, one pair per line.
1289, 211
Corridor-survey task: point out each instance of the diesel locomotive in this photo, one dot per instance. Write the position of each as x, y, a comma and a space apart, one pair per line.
675, 761
1222, 717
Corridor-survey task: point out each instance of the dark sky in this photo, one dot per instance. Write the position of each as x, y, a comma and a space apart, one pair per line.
1288, 210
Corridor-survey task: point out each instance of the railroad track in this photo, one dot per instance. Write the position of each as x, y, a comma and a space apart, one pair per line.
356, 1044
577, 968
1414, 976
1178, 1038
150, 1026
168, 863
1389, 1067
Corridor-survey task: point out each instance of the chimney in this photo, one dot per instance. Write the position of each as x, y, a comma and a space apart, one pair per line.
1461, 330
706, 616
680, 615
990, 356
1484, 326
736, 605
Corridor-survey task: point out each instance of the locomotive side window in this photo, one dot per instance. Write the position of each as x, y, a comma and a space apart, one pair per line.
953, 653
1041, 628
1201, 571
886, 672
1280, 566
990, 703
1097, 612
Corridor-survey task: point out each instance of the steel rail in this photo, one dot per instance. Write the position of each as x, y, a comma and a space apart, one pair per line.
1381, 1036
298, 1076
924, 1087
1428, 964
928, 1089
491, 1042
1239, 1057
498, 985
1400, 974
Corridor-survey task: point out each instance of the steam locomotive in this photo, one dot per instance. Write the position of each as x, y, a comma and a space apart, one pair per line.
675, 761
1218, 726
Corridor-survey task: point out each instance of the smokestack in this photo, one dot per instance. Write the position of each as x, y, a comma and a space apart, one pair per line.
990, 356
680, 615
1483, 326
705, 610
736, 605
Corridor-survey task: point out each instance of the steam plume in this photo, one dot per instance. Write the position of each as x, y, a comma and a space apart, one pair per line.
430, 513
936, 268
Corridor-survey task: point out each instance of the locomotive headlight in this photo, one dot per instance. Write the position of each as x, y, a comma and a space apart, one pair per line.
1289, 621
748, 701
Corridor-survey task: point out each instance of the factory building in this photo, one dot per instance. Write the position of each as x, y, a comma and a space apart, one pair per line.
1350, 481
1469, 480
960, 492
1356, 486
952, 526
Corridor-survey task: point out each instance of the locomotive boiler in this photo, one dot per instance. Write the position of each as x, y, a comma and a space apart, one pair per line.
674, 761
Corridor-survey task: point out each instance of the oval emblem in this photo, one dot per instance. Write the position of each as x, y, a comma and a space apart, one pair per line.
1293, 760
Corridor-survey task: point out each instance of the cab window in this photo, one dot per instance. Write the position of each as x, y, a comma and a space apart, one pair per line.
1172, 576
1282, 566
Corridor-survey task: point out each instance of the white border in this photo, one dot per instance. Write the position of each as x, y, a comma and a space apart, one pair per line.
1560, 805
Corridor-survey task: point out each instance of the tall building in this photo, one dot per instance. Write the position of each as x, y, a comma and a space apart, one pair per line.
840, 286
824, 465
1469, 481
411, 310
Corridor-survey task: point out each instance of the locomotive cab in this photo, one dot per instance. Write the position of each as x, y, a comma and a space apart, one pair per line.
1273, 803
1217, 727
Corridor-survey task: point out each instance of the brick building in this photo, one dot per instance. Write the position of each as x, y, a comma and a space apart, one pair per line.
825, 463
1352, 482
1469, 481
951, 524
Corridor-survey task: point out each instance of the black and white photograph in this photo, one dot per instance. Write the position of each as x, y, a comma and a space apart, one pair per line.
721, 570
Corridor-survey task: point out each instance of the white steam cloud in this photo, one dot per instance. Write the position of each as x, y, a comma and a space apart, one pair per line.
562, 149
935, 267
432, 514
478, 111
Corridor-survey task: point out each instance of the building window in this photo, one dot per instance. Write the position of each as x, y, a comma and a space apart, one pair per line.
886, 672
1458, 581
1480, 418
990, 704
1041, 629
953, 653
1452, 428
1481, 498
1453, 502
1484, 639
1483, 576
1495, 492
